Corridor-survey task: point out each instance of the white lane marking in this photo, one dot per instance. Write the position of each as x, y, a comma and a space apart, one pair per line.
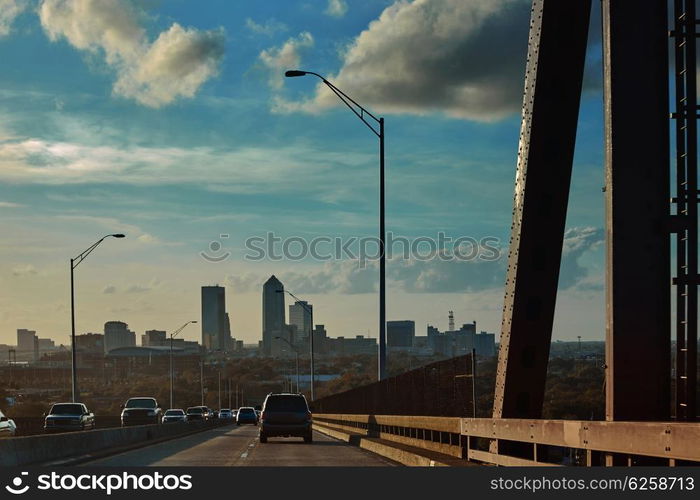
251, 445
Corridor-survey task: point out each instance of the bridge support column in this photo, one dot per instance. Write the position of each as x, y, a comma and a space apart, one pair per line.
635, 58
556, 56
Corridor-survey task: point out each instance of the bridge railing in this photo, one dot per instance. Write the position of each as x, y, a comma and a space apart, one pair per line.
531, 442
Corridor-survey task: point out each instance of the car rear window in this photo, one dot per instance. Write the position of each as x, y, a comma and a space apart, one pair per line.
141, 403
194, 410
246, 410
70, 409
174, 412
286, 403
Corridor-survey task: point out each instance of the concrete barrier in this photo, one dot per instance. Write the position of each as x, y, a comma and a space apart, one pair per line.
46, 448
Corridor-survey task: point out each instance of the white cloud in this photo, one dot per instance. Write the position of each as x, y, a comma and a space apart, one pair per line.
24, 270
9, 10
278, 59
242, 170
268, 28
9, 204
336, 8
109, 289
577, 241
154, 74
148, 239
464, 59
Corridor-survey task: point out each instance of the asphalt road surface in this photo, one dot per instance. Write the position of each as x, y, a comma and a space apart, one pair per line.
239, 446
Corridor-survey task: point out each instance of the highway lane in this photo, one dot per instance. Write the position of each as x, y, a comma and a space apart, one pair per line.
239, 447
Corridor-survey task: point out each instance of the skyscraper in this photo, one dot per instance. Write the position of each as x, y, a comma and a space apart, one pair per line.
214, 318
273, 321
300, 315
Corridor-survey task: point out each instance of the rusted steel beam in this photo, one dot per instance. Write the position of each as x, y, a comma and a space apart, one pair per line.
556, 56
635, 64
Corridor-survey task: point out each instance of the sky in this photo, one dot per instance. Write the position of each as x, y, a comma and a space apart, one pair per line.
172, 122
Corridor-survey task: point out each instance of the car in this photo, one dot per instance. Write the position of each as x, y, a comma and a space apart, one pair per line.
68, 417
208, 412
284, 415
196, 413
7, 426
174, 415
234, 413
141, 411
225, 414
246, 415
215, 414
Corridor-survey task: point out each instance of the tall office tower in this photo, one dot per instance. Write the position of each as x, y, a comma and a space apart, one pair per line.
117, 334
273, 321
300, 315
25, 340
214, 318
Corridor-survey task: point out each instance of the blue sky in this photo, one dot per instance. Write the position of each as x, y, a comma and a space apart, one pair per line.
171, 121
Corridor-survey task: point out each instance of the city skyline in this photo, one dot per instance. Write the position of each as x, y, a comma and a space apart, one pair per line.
88, 149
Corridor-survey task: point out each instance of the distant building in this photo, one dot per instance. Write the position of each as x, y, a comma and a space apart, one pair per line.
462, 341
321, 340
28, 344
228, 340
153, 338
273, 321
485, 344
342, 346
301, 316
117, 334
90, 342
214, 328
186, 346
25, 340
46, 345
400, 333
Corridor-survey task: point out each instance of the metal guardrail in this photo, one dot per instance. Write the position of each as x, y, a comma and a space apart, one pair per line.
533, 442
31, 426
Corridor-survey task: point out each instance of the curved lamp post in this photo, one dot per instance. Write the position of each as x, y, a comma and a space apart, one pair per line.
172, 375
73, 264
296, 352
311, 334
378, 130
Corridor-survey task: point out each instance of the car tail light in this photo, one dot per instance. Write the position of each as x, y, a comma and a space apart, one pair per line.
308, 416
262, 416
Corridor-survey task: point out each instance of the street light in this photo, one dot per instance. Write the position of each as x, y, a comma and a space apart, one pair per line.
296, 352
363, 114
303, 303
73, 264
172, 375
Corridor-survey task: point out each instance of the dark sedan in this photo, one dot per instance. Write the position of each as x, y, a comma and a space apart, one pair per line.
196, 413
141, 411
246, 416
68, 417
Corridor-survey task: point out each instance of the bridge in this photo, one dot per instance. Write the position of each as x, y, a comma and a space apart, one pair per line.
651, 406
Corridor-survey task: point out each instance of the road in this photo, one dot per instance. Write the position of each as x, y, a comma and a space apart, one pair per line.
233, 446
